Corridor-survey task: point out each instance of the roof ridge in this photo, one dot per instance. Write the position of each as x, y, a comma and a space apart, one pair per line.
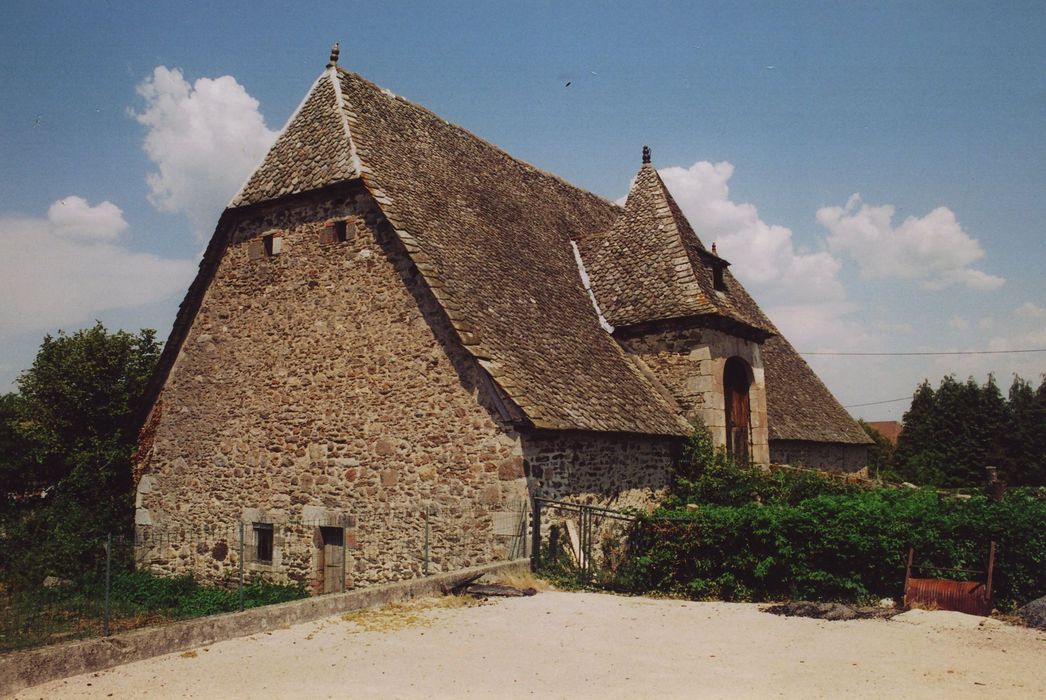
685, 272
428, 265
297, 110
331, 72
519, 161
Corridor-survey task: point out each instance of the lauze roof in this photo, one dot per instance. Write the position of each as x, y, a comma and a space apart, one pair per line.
492, 236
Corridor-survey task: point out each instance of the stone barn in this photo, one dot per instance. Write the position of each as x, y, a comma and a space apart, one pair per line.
396, 321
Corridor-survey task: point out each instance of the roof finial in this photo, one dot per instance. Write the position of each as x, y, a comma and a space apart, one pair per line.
646, 154
713, 249
335, 50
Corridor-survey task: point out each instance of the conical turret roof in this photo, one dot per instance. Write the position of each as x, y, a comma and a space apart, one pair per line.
651, 266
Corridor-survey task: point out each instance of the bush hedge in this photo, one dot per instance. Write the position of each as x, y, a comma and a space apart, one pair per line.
782, 535
849, 547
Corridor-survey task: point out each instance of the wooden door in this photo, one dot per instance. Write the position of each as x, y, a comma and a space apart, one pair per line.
738, 410
332, 557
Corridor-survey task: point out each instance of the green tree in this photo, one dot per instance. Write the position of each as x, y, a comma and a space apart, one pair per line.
1026, 448
880, 454
918, 457
73, 414
14, 452
952, 433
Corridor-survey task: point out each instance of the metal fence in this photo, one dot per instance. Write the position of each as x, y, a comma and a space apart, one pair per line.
156, 575
577, 541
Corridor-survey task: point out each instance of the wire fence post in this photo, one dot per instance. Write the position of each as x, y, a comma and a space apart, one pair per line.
241, 565
425, 564
535, 536
108, 578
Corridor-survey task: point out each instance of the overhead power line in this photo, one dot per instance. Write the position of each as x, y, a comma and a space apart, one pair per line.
876, 403
899, 354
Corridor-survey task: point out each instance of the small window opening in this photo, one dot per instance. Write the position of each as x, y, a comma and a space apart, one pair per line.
717, 278
341, 231
273, 244
263, 542
335, 232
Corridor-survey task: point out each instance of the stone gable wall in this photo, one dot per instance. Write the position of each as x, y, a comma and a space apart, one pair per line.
690, 363
324, 386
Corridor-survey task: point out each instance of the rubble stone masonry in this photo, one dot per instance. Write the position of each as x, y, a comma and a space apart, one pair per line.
322, 385
828, 456
613, 471
690, 364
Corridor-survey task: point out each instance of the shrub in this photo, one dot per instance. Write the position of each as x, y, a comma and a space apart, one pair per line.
778, 535
847, 547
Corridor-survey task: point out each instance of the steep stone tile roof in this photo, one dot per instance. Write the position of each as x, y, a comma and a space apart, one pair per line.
651, 266
313, 150
490, 235
799, 405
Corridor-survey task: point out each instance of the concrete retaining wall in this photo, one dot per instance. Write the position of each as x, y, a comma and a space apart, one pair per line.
35, 666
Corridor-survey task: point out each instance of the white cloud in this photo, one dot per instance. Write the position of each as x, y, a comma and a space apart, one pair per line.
933, 249
66, 268
762, 254
204, 139
959, 323
73, 217
1030, 311
801, 291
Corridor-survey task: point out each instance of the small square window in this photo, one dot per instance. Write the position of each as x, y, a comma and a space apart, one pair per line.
335, 232
273, 244
263, 542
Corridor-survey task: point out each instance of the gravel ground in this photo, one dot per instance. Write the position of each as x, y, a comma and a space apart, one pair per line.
578, 645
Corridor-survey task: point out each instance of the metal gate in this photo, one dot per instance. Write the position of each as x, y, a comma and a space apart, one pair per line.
577, 539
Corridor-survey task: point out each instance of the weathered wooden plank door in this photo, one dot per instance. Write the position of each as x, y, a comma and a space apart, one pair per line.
332, 557
738, 409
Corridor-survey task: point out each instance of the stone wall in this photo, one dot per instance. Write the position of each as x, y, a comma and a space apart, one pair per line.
319, 386
820, 455
614, 471
690, 363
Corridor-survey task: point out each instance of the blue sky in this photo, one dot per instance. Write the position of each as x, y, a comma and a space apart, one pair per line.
765, 119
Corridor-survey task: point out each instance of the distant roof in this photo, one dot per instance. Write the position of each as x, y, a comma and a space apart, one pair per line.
889, 429
491, 235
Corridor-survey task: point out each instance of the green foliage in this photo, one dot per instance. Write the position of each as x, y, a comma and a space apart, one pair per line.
848, 547
952, 433
1026, 450
41, 615
799, 535
14, 451
706, 475
67, 478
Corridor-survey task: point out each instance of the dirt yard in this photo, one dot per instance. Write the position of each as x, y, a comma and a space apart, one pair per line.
577, 645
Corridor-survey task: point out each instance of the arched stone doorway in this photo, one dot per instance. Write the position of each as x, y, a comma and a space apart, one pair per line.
737, 378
